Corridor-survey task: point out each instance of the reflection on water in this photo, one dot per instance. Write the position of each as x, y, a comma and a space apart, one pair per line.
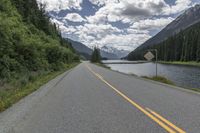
185, 76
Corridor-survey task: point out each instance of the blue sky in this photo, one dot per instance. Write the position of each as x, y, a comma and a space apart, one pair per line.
122, 24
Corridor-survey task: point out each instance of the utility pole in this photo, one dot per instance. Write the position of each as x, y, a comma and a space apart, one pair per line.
156, 62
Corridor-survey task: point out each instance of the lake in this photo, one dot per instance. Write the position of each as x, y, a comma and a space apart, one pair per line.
184, 76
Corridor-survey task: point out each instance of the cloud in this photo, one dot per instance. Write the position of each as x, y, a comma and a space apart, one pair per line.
98, 31
152, 24
144, 8
97, 2
135, 11
106, 34
124, 41
74, 17
180, 5
128, 11
103, 2
109, 12
57, 5
139, 18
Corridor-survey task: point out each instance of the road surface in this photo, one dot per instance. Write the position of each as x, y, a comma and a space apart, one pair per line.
92, 99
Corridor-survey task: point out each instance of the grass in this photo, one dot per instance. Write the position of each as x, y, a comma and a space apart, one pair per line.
166, 81
102, 65
10, 96
195, 89
160, 79
190, 63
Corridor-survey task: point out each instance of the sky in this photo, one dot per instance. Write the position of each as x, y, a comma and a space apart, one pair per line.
122, 24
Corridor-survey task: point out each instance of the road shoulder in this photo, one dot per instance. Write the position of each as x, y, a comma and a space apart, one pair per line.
155, 82
18, 111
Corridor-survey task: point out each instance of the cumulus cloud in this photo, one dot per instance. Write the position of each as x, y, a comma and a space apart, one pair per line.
180, 5
143, 8
103, 2
129, 11
57, 5
138, 16
74, 17
124, 41
152, 24
98, 31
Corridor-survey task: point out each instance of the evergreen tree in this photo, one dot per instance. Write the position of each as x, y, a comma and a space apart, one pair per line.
96, 56
184, 46
198, 50
29, 42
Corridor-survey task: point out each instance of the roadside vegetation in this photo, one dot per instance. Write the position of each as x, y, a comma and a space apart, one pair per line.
96, 56
190, 63
32, 50
160, 79
102, 65
167, 81
196, 89
29, 84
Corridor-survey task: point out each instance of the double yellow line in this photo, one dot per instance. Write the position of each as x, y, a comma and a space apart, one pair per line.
164, 123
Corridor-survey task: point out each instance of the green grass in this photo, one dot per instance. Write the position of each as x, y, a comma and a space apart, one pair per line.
10, 96
160, 79
167, 81
196, 89
190, 63
102, 65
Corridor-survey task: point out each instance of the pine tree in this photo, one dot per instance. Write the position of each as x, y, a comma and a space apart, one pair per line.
198, 51
183, 46
96, 57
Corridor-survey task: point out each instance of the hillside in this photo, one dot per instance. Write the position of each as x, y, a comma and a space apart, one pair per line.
86, 52
182, 23
184, 46
188, 18
29, 43
81, 49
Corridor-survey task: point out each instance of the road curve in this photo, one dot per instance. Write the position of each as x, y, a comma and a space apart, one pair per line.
92, 99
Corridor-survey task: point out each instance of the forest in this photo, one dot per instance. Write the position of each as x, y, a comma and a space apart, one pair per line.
184, 46
32, 50
29, 42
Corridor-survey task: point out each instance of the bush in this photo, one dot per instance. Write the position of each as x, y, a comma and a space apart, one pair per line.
160, 79
7, 66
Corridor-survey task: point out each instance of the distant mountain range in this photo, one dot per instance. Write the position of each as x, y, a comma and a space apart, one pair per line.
188, 18
119, 53
86, 52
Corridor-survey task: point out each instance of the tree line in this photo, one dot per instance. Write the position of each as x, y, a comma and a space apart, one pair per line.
184, 46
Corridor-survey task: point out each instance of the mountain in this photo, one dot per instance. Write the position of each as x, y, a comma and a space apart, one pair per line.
81, 49
119, 53
183, 46
188, 18
86, 52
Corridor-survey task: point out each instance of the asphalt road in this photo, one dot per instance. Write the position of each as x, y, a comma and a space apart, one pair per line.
92, 99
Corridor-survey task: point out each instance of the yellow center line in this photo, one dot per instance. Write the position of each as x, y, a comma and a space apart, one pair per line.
167, 128
166, 121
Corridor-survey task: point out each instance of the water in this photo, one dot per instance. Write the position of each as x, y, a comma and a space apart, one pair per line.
184, 76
